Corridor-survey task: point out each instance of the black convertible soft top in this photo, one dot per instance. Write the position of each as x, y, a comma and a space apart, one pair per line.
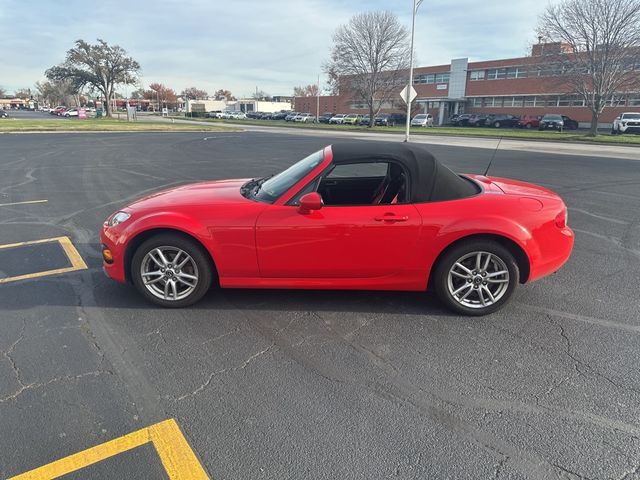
429, 180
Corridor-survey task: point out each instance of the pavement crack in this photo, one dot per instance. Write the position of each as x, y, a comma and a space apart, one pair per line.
573, 474
9, 352
212, 375
60, 379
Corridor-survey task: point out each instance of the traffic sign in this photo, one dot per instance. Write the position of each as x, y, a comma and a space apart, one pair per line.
412, 93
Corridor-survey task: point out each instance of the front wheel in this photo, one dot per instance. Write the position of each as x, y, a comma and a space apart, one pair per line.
476, 277
171, 270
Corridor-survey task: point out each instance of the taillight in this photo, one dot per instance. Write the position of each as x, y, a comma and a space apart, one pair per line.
562, 218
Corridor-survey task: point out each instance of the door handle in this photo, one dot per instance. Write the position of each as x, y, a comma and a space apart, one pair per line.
391, 218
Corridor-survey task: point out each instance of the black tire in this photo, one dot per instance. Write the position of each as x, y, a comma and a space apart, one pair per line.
440, 275
205, 269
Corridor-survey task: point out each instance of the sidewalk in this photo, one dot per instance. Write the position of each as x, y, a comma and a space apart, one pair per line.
540, 146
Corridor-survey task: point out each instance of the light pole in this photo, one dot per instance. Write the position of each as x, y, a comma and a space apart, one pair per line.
416, 5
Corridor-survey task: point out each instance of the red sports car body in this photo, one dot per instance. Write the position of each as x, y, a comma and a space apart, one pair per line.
373, 216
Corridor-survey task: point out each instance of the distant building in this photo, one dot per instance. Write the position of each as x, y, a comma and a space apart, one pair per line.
526, 85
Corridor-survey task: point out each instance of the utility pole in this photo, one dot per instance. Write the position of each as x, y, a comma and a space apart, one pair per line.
416, 4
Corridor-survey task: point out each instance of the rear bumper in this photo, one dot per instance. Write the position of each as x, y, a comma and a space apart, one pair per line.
555, 249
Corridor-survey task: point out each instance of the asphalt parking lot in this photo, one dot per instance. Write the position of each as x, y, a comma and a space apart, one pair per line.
309, 384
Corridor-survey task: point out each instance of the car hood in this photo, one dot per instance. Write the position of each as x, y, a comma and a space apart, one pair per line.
202, 193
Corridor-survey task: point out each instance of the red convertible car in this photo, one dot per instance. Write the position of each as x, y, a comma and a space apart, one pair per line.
371, 216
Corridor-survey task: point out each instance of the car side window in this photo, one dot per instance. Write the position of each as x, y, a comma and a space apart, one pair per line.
358, 170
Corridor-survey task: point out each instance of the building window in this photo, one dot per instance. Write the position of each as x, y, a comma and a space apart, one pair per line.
430, 78
564, 101
516, 72
616, 101
476, 102
530, 101
634, 101
477, 75
442, 77
497, 74
493, 102
578, 101
359, 105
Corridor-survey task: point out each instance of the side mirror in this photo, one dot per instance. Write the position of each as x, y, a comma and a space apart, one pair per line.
309, 202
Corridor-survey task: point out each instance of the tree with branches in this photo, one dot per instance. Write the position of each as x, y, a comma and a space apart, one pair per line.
101, 66
371, 56
310, 90
193, 93
223, 93
162, 94
604, 49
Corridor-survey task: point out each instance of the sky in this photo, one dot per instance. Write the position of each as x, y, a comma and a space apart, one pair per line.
239, 45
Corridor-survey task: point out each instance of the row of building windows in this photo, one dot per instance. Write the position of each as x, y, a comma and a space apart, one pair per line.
429, 78
543, 70
549, 101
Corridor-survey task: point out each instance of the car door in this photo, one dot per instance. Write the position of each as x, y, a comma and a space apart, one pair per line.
337, 241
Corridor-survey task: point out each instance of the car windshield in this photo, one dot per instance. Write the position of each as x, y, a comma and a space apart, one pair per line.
552, 117
629, 116
270, 190
420, 117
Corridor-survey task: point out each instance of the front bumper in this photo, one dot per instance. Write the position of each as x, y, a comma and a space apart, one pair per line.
110, 241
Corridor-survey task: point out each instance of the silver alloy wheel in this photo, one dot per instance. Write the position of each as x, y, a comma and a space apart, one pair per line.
169, 273
478, 279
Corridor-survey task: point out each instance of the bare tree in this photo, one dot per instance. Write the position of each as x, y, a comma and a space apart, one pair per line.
101, 66
58, 92
604, 49
371, 52
310, 90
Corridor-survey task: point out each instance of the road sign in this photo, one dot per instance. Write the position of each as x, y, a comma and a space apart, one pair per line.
412, 93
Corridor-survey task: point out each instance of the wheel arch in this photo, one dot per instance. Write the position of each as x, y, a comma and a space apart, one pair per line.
524, 264
143, 236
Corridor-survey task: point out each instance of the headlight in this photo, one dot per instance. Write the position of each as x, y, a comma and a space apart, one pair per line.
118, 218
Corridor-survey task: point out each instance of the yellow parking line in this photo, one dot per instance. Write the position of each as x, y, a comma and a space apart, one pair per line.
174, 451
28, 202
77, 263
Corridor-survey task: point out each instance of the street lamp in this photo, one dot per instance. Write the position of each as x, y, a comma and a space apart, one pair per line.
416, 5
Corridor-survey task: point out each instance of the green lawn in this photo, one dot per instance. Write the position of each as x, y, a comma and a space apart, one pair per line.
570, 136
102, 125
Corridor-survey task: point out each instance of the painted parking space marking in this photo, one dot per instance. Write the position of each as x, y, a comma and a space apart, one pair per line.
77, 263
177, 457
26, 202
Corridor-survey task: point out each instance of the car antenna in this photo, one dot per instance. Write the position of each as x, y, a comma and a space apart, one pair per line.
492, 157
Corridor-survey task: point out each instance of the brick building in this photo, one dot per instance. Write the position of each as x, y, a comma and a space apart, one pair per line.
527, 85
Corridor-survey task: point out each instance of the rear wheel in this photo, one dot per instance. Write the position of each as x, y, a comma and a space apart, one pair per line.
476, 277
171, 270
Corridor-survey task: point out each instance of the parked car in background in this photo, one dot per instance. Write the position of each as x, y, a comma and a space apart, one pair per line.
554, 121
477, 120
280, 115
338, 119
461, 120
390, 119
238, 115
529, 121
212, 114
501, 121
325, 117
628, 122
352, 119
72, 112
3, 114
291, 116
254, 115
58, 110
365, 120
551, 121
305, 118
422, 120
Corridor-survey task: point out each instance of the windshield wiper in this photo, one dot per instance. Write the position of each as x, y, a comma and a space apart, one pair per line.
258, 184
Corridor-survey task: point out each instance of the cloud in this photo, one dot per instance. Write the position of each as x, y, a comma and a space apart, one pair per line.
243, 44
